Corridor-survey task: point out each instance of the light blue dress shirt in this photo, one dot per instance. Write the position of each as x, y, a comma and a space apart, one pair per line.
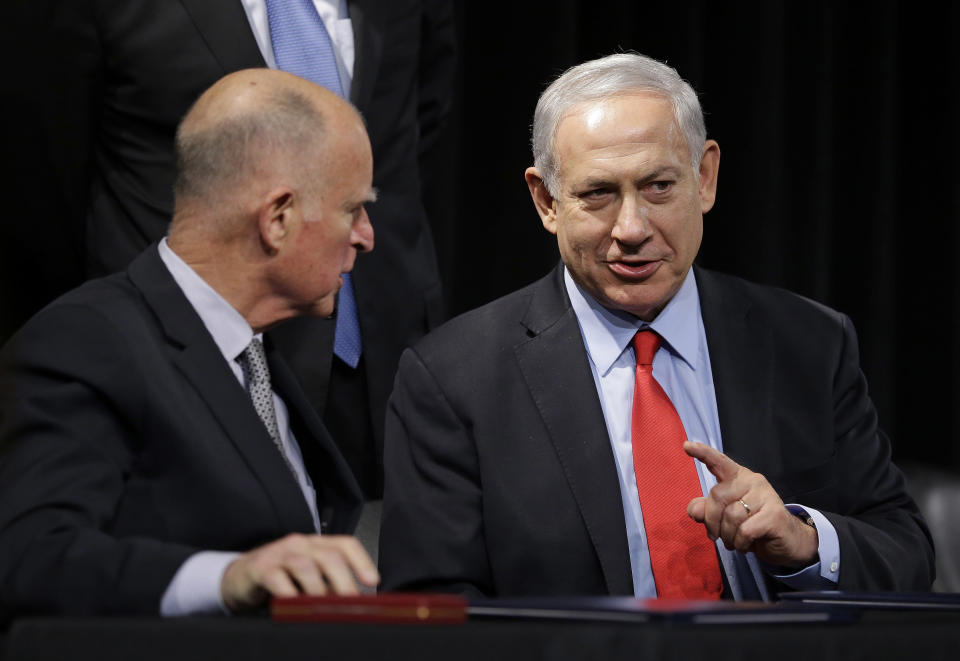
195, 587
682, 368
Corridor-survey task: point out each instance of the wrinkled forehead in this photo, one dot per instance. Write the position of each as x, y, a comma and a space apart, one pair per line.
641, 118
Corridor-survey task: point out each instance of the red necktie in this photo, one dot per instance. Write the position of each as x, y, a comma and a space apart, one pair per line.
683, 559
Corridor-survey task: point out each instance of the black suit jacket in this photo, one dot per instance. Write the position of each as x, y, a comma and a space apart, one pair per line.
117, 78
128, 444
500, 476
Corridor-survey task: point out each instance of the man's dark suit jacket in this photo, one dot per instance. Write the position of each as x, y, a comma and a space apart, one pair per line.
120, 76
127, 444
500, 476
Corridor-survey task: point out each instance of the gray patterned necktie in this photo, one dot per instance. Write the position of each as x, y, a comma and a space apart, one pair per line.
256, 373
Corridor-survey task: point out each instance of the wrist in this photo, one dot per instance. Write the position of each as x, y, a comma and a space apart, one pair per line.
808, 547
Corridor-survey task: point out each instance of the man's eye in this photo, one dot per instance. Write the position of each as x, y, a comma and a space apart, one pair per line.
660, 186
595, 194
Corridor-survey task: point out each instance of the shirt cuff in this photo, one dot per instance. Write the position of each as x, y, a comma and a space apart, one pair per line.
195, 588
823, 574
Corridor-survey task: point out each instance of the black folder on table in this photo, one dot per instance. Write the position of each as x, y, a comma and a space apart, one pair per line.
628, 609
941, 601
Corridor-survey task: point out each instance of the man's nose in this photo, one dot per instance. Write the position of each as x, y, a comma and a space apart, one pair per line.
632, 225
362, 234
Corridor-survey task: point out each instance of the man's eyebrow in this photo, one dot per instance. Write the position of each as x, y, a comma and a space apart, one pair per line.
594, 182
353, 204
667, 170
599, 181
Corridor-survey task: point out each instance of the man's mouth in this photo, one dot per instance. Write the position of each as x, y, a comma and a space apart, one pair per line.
634, 270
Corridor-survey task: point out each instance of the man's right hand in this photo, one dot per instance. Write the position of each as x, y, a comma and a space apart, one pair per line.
297, 564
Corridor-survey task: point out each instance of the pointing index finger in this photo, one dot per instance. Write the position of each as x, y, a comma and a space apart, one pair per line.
723, 467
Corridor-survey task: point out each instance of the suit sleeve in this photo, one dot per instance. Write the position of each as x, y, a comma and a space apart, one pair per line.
884, 542
432, 536
437, 66
69, 402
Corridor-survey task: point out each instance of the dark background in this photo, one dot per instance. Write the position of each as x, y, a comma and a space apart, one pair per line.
837, 122
838, 127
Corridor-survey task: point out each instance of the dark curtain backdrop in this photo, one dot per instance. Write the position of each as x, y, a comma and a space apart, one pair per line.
839, 177
837, 123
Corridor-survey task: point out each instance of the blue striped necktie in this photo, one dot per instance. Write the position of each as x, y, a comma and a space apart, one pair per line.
302, 46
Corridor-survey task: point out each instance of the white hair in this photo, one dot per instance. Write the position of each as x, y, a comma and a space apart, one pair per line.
609, 76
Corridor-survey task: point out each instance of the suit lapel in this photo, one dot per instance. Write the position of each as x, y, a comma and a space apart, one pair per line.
224, 27
368, 47
744, 371
338, 494
197, 357
554, 365
741, 358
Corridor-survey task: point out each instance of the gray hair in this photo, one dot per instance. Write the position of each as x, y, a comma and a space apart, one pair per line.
216, 156
621, 73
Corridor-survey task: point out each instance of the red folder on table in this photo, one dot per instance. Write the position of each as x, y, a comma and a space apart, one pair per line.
394, 607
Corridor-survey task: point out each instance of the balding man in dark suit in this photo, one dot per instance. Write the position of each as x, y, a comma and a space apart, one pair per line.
155, 457
112, 80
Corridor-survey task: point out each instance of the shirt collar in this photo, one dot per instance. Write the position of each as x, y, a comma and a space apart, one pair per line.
230, 331
607, 333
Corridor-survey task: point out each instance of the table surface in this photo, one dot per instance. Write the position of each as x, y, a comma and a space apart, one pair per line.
877, 635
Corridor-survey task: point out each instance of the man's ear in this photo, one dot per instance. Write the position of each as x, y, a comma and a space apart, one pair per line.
709, 172
277, 217
542, 199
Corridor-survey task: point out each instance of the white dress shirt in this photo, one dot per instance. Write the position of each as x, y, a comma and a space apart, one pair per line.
195, 587
682, 368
